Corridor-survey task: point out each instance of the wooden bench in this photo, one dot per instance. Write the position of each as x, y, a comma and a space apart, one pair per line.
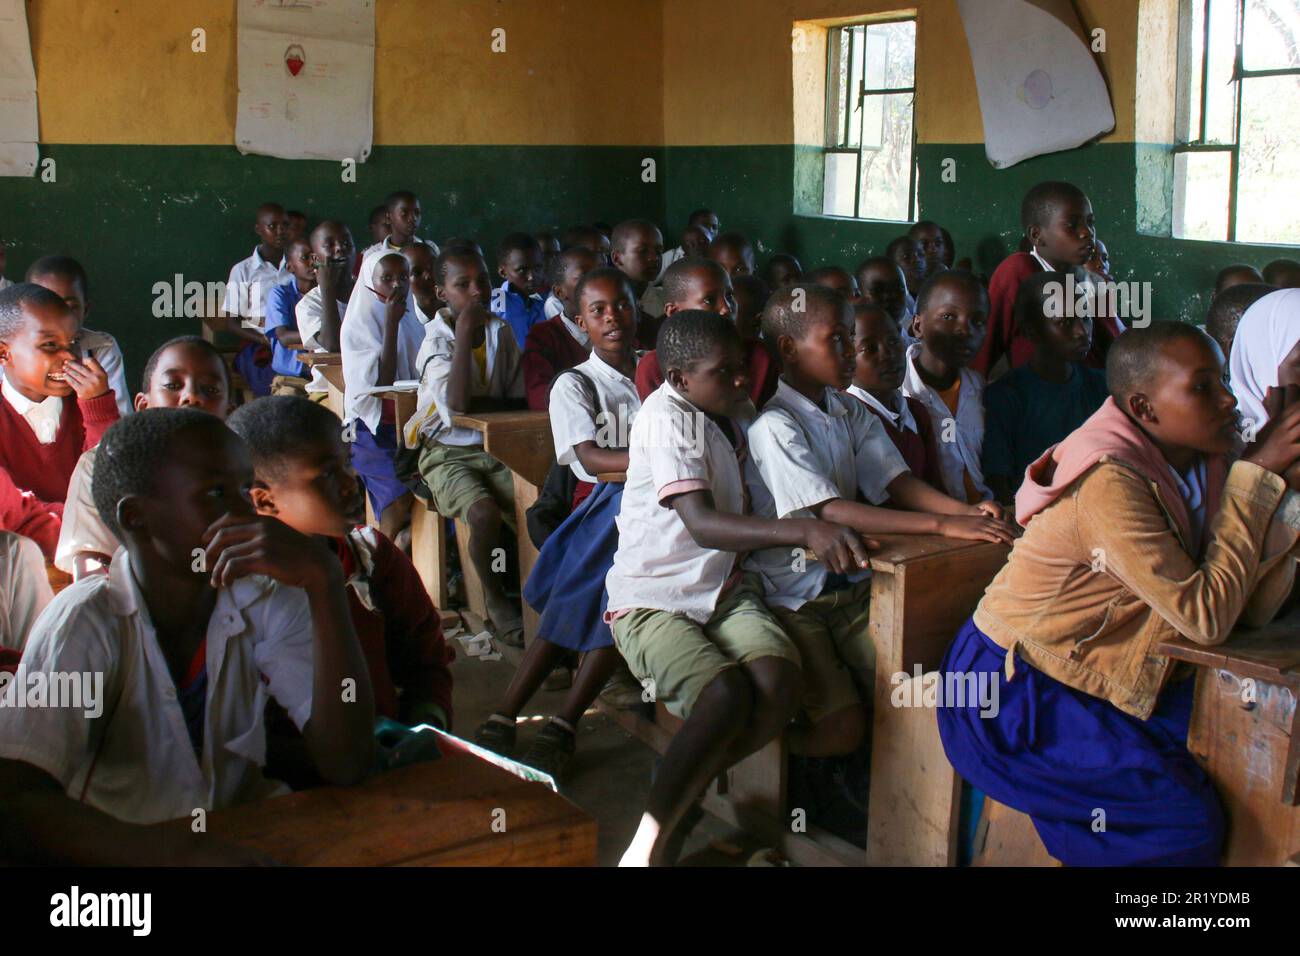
330, 365
440, 813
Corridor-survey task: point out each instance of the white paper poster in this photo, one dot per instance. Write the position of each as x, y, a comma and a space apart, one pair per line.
306, 78
1040, 90
18, 121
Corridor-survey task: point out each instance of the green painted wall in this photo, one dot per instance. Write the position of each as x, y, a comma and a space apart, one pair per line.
753, 188
136, 215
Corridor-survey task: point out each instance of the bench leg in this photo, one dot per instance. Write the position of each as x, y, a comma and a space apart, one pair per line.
1009, 839
474, 595
429, 552
525, 497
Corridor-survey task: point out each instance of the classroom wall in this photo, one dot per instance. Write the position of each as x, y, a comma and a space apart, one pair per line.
549, 133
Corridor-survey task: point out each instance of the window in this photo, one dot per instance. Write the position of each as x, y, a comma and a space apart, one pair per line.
870, 143
1237, 156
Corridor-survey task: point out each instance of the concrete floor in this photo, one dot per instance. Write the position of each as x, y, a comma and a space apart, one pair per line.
609, 776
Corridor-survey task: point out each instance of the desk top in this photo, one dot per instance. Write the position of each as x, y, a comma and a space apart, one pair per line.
1270, 653
520, 440
520, 419
436, 813
898, 549
310, 358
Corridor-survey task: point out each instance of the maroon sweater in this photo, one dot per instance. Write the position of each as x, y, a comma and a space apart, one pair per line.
549, 349
45, 470
918, 448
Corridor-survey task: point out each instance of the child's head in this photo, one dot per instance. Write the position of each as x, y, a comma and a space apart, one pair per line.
550, 244
707, 220
881, 283
589, 237
1062, 338
1099, 264
1057, 218
390, 276
65, 277
186, 372
695, 241
732, 251
520, 262
810, 326
297, 224
703, 359
699, 284
379, 227
1283, 273
606, 310
952, 312
163, 476
1236, 274
302, 468
1228, 307
751, 296
463, 244
570, 266
1168, 377
929, 235
881, 360
637, 250
272, 228
906, 251
834, 277
781, 270
331, 240
462, 280
404, 214
423, 265
38, 335
297, 256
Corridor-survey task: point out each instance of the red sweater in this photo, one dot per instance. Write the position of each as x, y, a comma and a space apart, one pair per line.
918, 448
763, 373
23, 513
549, 349
45, 470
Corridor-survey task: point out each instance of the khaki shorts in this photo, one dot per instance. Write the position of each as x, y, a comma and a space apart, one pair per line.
682, 657
839, 660
459, 475
288, 385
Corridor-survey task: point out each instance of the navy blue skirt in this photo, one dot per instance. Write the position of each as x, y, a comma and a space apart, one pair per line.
1102, 787
373, 458
567, 583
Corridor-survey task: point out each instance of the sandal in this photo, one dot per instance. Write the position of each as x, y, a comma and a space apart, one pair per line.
496, 735
551, 750
511, 634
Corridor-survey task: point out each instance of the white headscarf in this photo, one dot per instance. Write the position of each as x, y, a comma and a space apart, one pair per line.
1267, 333
362, 341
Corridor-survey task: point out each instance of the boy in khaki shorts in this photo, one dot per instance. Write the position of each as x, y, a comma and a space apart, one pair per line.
690, 625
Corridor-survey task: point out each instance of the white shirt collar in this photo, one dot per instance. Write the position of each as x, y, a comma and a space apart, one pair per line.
599, 366
258, 261
900, 417
1047, 266
577, 331
787, 395
42, 416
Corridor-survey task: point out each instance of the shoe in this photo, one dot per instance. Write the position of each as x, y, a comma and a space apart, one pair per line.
551, 750
496, 736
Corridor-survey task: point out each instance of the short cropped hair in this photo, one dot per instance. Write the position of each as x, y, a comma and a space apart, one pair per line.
770, 265
396, 196
17, 296
574, 235
1281, 270
687, 337
524, 242
887, 261
377, 213
627, 230
1131, 360
65, 267
560, 263
595, 275
822, 273
126, 462
193, 341
677, 277
780, 317
277, 427
1227, 308
756, 286
1037, 206
457, 253
896, 243
962, 277
698, 214
736, 240
1241, 267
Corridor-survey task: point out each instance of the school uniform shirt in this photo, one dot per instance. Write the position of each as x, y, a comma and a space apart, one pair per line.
553, 307
40, 442
801, 454
1025, 415
675, 448
521, 312
24, 593
250, 280
669, 257
281, 305
137, 761
308, 314
497, 371
103, 348
908, 426
959, 459
82, 530
361, 337
551, 347
574, 419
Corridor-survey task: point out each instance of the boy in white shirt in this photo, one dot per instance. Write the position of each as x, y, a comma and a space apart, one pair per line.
244, 306
177, 663
690, 626
65, 277
320, 312
469, 361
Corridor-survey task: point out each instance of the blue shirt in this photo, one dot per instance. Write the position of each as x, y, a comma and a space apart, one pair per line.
520, 313
281, 301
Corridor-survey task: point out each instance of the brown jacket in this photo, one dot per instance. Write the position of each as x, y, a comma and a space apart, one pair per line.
1101, 577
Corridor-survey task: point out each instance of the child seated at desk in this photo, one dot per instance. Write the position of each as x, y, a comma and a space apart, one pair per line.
592, 406
560, 342
183, 661
469, 361
281, 319
1139, 528
320, 312
243, 307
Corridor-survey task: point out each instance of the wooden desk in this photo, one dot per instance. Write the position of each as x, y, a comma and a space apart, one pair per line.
520, 440
1244, 732
330, 365
433, 814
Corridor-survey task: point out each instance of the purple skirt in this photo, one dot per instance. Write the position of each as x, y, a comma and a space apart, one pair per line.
372, 457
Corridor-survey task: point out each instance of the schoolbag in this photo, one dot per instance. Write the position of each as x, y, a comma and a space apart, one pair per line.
555, 500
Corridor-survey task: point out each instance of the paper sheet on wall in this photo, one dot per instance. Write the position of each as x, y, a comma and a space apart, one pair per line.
306, 78
19, 131
1040, 90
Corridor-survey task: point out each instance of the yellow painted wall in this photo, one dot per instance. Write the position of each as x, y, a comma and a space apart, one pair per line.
574, 72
